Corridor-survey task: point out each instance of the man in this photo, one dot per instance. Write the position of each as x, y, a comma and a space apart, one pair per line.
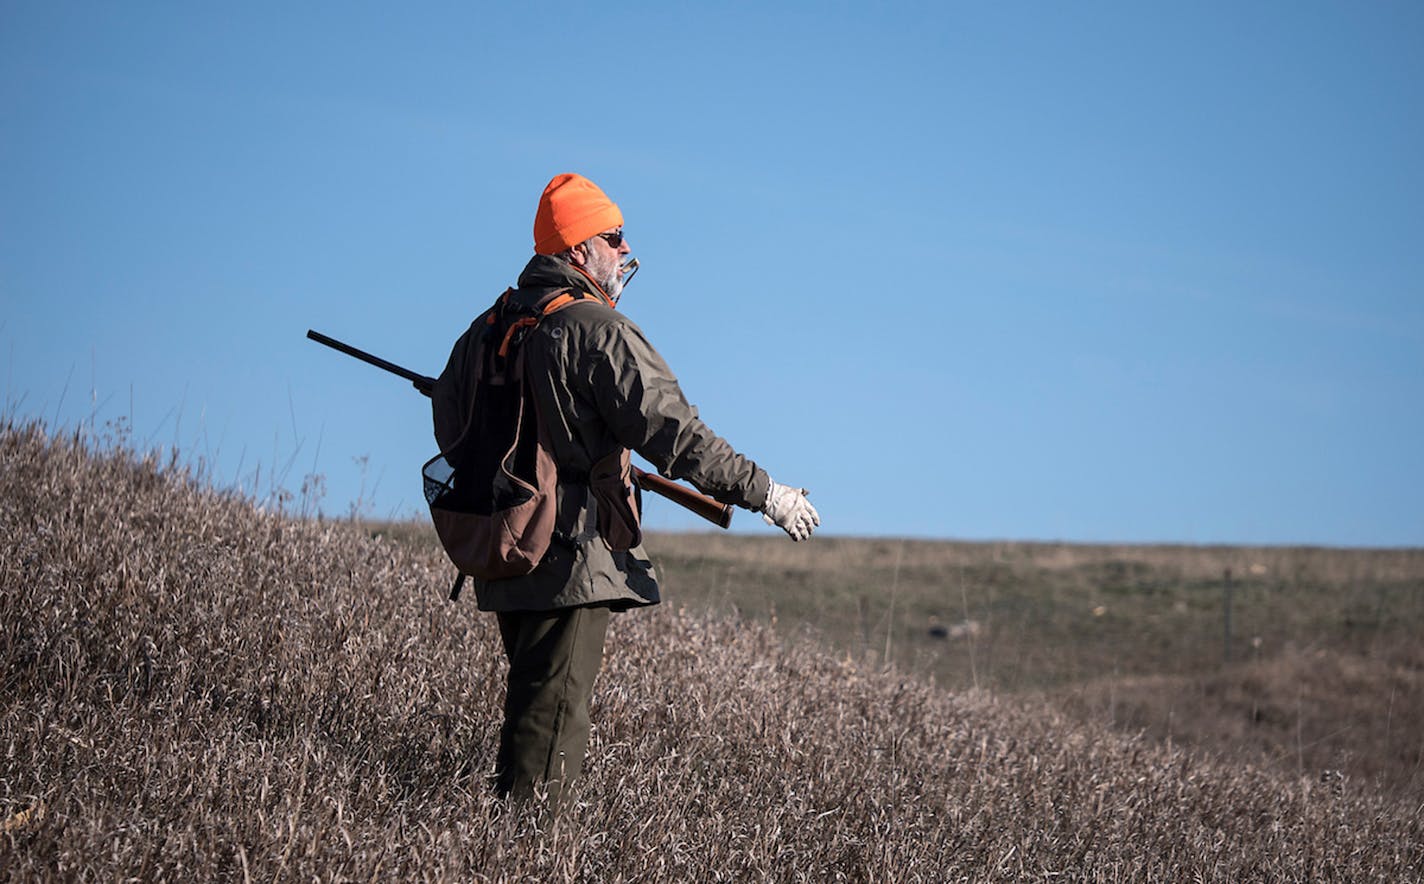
601, 389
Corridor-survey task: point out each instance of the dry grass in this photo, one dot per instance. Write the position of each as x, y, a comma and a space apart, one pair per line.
1053, 614
195, 689
1299, 712
1325, 669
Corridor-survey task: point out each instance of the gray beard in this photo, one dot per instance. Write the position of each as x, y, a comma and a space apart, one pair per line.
612, 285
607, 278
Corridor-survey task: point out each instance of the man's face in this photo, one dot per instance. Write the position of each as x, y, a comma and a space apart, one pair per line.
605, 260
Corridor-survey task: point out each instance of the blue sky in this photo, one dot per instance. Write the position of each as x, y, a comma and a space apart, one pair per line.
1095, 272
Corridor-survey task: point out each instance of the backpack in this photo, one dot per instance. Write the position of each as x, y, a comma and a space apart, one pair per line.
493, 492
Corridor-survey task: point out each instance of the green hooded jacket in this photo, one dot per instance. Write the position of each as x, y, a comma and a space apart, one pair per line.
600, 386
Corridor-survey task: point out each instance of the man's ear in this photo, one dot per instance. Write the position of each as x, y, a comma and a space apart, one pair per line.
578, 255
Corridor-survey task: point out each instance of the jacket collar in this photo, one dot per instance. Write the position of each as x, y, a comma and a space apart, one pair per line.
545, 273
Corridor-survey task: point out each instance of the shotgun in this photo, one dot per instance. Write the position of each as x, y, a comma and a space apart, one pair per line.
719, 514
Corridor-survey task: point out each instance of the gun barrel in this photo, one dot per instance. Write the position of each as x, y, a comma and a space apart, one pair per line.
422, 383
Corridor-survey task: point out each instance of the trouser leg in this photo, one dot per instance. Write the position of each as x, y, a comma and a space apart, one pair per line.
554, 657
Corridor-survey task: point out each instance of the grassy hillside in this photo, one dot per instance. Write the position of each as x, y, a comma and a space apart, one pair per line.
1324, 669
195, 689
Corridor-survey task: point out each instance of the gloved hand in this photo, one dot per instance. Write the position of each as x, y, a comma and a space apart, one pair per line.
788, 509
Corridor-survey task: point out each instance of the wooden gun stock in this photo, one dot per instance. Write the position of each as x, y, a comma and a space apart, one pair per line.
719, 514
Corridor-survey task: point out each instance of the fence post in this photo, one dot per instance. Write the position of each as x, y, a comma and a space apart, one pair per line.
1226, 610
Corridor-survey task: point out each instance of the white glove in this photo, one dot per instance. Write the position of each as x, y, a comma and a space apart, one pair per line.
788, 509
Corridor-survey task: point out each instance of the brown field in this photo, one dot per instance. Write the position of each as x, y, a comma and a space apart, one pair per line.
1324, 670
197, 689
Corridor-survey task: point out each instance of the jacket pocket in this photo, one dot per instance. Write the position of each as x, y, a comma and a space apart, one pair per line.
610, 481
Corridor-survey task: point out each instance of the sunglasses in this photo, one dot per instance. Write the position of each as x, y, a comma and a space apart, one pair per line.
614, 239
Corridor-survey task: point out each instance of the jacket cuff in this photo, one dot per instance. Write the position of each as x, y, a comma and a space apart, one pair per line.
761, 486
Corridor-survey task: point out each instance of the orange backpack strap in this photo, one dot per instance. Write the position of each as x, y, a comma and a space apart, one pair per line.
516, 325
558, 302
546, 307
564, 299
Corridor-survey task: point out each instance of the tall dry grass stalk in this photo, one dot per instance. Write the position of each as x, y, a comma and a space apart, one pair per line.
196, 690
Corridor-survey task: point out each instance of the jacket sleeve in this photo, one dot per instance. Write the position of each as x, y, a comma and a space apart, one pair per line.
637, 394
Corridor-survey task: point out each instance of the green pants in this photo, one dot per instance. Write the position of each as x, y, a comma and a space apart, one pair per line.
554, 657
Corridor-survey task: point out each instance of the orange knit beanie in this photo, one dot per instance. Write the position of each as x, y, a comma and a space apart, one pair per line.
571, 210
